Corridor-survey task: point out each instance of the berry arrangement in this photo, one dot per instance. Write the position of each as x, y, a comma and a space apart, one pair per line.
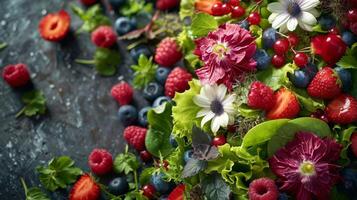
250, 99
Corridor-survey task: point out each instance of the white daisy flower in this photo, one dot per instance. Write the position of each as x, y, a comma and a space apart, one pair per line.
216, 106
287, 14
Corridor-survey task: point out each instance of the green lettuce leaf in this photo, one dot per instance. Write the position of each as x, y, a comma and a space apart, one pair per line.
308, 103
202, 24
215, 188
276, 78
343, 138
187, 8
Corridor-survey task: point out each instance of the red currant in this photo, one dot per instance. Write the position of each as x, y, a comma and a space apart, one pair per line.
219, 140
352, 15
293, 39
145, 156
278, 60
217, 9
237, 12
233, 3
226, 9
254, 18
149, 191
281, 46
301, 59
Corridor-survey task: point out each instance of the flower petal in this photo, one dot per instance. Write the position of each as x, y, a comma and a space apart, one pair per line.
308, 4
283, 28
307, 18
203, 112
206, 118
202, 101
272, 17
276, 7
221, 92
305, 26
314, 12
280, 20
229, 99
292, 23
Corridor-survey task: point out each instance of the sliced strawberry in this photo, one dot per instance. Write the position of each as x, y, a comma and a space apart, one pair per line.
342, 110
286, 105
85, 189
205, 5
177, 193
55, 26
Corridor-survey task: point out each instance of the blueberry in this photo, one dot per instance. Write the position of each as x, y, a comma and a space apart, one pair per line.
244, 24
142, 18
137, 51
118, 186
187, 155
327, 22
173, 141
152, 91
311, 70
127, 114
162, 186
187, 21
117, 3
269, 37
123, 25
345, 77
349, 38
164, 197
134, 23
160, 100
283, 196
349, 184
161, 74
143, 120
262, 58
300, 79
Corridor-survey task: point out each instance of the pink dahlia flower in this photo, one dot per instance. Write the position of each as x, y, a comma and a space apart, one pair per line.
227, 54
305, 166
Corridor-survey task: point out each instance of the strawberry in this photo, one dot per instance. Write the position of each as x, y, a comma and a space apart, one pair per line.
100, 161
167, 52
177, 81
177, 193
325, 85
330, 47
55, 26
122, 93
260, 96
286, 105
167, 4
16, 75
205, 5
342, 110
135, 136
354, 143
88, 2
104, 36
85, 189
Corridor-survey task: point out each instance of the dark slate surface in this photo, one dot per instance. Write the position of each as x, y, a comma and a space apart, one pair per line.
81, 116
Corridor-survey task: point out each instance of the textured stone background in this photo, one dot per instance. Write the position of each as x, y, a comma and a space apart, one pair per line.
81, 114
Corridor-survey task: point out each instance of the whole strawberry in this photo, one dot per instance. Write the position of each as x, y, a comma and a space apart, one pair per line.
167, 52
325, 85
104, 36
342, 110
135, 136
177, 81
122, 93
354, 143
16, 75
167, 4
260, 96
100, 161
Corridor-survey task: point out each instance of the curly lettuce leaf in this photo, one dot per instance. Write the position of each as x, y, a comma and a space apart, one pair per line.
276, 78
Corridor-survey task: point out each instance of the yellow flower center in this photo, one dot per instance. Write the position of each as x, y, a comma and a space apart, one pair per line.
307, 168
220, 49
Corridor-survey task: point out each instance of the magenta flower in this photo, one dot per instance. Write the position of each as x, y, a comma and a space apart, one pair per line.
305, 166
227, 54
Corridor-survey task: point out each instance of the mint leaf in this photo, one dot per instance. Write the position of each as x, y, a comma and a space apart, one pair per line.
59, 173
92, 18
214, 187
35, 103
348, 62
202, 24
33, 193
193, 167
144, 71
125, 163
106, 61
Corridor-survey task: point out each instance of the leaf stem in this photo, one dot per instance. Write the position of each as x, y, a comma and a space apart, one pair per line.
84, 62
3, 45
24, 185
20, 112
136, 180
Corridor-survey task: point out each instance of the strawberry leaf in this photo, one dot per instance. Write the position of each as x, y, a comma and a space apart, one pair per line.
125, 163
202, 24
144, 71
35, 103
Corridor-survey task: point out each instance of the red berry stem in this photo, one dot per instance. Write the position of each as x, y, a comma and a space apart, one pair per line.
84, 62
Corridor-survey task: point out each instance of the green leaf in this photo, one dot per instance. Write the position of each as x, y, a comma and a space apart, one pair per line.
35, 103
92, 18
214, 187
247, 112
135, 195
317, 28
59, 173
144, 72
354, 83
146, 175
3, 45
308, 103
157, 140
276, 78
287, 132
184, 113
185, 40
257, 32
187, 8
202, 24
33, 193
193, 167
344, 139
125, 163
106, 61
348, 62
134, 6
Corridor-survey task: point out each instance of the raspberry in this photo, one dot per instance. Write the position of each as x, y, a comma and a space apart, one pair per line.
177, 81
260, 96
88, 2
16, 75
167, 4
100, 161
122, 93
135, 136
263, 189
167, 52
104, 36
